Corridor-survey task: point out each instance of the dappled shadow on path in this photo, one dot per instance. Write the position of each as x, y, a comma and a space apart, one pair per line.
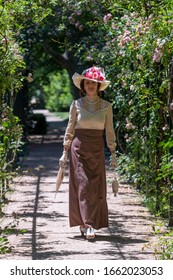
42, 164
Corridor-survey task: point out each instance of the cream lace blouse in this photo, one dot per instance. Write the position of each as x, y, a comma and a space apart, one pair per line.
86, 115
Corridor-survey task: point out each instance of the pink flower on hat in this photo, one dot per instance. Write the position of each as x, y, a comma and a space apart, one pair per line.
95, 76
101, 77
94, 73
88, 75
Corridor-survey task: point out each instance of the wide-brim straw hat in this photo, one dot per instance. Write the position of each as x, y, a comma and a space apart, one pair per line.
95, 74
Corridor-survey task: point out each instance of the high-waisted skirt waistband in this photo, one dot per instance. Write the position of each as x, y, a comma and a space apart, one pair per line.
89, 135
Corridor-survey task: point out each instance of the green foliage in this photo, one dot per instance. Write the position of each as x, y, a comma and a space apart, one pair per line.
13, 17
162, 246
166, 165
11, 59
163, 249
56, 93
8, 230
4, 245
10, 135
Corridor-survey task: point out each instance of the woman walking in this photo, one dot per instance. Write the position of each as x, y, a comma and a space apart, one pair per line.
89, 117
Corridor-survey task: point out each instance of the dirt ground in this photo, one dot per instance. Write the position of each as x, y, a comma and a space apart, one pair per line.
45, 217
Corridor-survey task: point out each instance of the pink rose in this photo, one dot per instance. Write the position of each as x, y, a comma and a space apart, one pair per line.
94, 69
107, 18
101, 78
157, 55
125, 40
95, 76
89, 75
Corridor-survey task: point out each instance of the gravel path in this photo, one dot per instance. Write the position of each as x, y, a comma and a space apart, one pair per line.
45, 217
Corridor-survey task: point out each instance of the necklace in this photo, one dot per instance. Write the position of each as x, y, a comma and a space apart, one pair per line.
91, 102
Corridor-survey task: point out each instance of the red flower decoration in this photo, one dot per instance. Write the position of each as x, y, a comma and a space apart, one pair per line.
94, 73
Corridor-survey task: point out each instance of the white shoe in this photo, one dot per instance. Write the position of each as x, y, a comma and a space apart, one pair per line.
90, 234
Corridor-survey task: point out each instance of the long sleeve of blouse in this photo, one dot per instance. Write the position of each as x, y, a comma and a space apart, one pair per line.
85, 115
69, 133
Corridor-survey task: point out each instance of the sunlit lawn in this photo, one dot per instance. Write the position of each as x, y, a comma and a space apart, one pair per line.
62, 115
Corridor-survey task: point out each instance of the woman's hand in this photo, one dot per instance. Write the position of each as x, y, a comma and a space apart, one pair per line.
63, 158
113, 161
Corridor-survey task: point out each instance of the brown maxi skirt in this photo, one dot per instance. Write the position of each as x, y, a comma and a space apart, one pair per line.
87, 182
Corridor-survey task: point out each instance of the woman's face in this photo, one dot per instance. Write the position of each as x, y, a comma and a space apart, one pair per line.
90, 87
